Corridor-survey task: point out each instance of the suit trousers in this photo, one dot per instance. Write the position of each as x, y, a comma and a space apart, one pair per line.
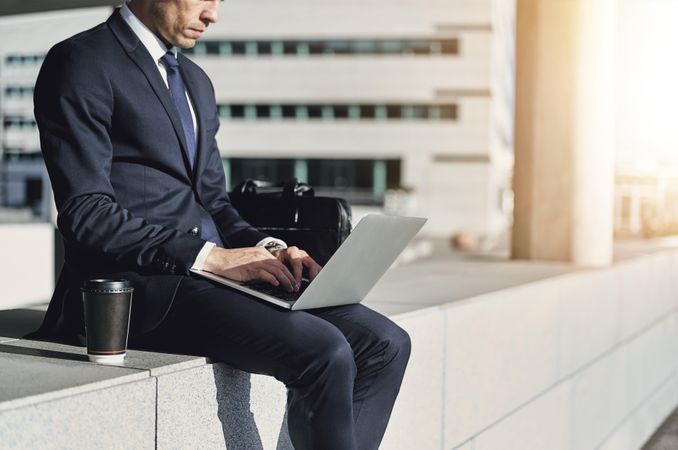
342, 365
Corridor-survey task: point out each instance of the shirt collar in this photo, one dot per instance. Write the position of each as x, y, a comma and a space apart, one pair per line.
153, 44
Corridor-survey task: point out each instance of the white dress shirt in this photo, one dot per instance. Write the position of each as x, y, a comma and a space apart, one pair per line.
157, 49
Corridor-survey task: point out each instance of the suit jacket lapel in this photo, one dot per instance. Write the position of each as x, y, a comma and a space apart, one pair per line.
144, 61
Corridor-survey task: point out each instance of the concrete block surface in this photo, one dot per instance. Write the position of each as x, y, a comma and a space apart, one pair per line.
642, 422
583, 296
155, 363
210, 407
268, 398
637, 307
501, 351
417, 419
599, 400
541, 424
651, 357
117, 417
27, 377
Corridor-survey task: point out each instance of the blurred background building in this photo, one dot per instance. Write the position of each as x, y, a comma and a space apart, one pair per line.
399, 106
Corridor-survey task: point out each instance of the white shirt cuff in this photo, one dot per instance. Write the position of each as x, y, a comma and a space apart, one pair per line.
266, 240
199, 263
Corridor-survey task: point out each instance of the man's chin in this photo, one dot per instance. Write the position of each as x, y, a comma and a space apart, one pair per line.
185, 43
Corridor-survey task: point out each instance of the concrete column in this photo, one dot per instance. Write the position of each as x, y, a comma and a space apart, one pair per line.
564, 130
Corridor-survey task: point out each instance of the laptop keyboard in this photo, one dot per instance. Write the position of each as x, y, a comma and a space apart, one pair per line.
278, 291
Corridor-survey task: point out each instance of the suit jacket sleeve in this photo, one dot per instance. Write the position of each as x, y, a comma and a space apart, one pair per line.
73, 107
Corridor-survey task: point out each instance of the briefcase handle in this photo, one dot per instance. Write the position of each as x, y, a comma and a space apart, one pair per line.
288, 189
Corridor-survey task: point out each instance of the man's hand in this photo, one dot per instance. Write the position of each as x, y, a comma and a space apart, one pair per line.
297, 259
251, 263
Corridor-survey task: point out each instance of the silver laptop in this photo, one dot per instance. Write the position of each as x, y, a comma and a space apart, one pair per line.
350, 274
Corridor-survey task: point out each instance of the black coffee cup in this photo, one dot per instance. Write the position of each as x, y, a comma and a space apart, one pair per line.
107, 304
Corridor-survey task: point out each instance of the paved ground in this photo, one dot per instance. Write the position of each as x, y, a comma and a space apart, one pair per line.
666, 437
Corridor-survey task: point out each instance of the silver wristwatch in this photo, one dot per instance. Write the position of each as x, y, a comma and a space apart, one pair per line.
272, 246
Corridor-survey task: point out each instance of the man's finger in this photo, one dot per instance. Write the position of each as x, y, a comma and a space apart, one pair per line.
292, 256
267, 277
313, 267
282, 273
297, 267
285, 277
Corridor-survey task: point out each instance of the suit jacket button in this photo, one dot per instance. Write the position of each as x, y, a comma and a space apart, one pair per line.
195, 231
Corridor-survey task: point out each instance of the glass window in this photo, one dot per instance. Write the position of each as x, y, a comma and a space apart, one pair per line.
250, 112
340, 173
415, 112
420, 47
271, 169
237, 111
434, 112
450, 46
436, 48
316, 48
212, 47
328, 112
263, 111
354, 112
392, 173
277, 48
380, 112
199, 48
390, 47
448, 112
290, 48
301, 112
225, 48
238, 48
275, 112
367, 111
340, 111
289, 111
303, 49
251, 49
338, 48
393, 111
225, 111
264, 48
364, 47
315, 111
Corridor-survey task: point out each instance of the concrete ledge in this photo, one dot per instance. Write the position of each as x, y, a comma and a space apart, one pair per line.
554, 357
121, 416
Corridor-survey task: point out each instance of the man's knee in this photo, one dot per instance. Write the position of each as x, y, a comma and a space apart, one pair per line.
397, 344
326, 354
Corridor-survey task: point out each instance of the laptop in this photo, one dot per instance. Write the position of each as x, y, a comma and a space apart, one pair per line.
350, 274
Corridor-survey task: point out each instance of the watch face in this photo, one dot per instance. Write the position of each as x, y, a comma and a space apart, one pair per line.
273, 246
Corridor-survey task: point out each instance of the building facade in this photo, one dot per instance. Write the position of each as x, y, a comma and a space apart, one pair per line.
397, 106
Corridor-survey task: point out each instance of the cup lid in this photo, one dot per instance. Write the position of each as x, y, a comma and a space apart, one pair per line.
104, 284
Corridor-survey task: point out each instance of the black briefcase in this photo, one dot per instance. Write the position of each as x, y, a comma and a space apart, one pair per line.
292, 212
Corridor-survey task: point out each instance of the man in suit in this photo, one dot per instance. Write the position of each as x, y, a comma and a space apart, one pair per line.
127, 128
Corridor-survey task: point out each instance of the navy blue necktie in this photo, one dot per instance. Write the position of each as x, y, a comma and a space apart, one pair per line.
176, 85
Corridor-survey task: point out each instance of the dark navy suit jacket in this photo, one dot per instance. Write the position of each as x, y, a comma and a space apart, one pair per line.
115, 151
